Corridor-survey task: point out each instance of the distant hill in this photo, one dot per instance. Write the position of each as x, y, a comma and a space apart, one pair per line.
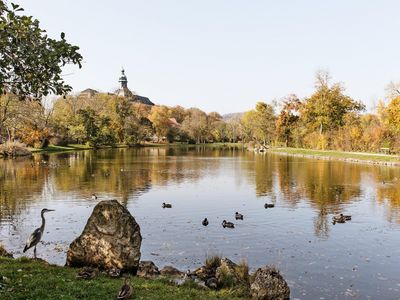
233, 116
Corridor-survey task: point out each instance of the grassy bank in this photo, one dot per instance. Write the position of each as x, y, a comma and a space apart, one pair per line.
29, 279
75, 147
53, 148
340, 155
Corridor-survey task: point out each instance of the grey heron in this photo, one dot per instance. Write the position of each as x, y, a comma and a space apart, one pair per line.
36, 236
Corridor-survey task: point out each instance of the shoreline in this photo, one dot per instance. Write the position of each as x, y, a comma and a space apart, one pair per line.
352, 157
79, 147
25, 278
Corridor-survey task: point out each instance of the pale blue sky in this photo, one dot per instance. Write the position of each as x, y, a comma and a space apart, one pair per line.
226, 55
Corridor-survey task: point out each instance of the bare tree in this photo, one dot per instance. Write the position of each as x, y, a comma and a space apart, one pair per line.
392, 90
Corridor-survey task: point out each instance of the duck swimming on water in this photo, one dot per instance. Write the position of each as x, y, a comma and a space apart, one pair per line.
341, 218
227, 224
205, 222
166, 205
269, 205
238, 216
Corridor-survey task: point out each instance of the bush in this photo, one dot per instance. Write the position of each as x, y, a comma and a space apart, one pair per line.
13, 149
59, 141
213, 262
242, 270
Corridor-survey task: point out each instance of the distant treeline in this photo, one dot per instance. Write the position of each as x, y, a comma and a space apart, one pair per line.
328, 119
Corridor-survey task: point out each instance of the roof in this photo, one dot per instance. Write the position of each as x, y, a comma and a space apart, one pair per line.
89, 90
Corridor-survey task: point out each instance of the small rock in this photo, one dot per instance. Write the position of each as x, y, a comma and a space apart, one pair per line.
4, 253
212, 283
170, 271
269, 285
203, 272
227, 271
147, 269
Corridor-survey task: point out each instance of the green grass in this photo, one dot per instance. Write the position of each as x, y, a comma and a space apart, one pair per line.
74, 147
53, 148
378, 157
29, 279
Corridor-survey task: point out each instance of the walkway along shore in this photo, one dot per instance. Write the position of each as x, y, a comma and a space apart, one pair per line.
353, 157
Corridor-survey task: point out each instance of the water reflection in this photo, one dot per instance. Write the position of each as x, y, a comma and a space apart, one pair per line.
204, 182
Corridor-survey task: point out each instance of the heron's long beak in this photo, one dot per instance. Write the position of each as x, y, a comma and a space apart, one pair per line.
51, 210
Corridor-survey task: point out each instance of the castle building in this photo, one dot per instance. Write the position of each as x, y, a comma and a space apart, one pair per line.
123, 91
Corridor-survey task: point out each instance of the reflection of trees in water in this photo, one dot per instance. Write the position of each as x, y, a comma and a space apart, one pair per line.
121, 173
20, 181
326, 184
261, 172
388, 191
126, 173
321, 223
287, 180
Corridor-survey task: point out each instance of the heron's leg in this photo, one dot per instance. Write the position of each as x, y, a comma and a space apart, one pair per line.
34, 252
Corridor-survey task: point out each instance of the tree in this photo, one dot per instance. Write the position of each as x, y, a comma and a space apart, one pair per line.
392, 121
217, 128
325, 110
259, 124
392, 113
30, 61
195, 125
288, 118
160, 116
392, 90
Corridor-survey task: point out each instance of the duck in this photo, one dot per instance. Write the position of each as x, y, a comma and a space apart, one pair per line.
346, 217
238, 216
340, 219
87, 273
227, 224
269, 205
114, 272
94, 196
205, 222
126, 290
166, 205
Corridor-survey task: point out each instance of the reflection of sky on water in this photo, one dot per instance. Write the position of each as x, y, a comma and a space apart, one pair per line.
359, 258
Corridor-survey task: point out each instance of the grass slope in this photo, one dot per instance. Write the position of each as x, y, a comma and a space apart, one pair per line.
339, 154
29, 279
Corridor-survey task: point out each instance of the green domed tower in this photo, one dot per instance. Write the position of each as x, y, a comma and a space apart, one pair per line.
125, 92
123, 80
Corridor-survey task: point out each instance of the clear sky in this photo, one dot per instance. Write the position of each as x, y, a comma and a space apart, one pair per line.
225, 55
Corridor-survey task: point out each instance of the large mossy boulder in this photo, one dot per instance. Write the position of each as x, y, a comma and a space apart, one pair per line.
111, 239
269, 284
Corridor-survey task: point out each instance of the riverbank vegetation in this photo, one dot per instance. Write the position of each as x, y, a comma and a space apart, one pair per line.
327, 120
33, 279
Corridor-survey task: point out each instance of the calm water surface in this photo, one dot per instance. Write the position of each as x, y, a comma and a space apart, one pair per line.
356, 260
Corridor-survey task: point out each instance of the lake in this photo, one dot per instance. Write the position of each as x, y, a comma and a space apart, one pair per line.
356, 260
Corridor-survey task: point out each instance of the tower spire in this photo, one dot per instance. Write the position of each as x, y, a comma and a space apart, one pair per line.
123, 80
